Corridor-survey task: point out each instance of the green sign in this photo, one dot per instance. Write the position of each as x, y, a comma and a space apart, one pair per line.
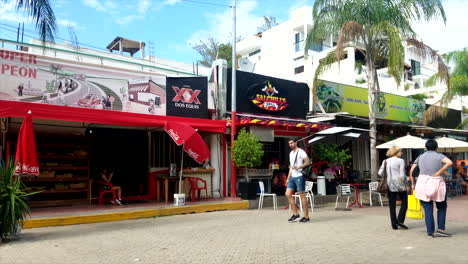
353, 100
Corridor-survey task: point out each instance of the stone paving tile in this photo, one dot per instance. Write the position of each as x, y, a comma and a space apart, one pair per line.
246, 236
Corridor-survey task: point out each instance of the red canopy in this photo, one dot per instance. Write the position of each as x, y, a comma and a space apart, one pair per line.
26, 155
70, 113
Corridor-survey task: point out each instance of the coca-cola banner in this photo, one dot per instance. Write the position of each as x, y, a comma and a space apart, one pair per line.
45, 80
187, 96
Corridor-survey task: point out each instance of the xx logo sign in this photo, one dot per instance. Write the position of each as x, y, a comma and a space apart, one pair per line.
186, 95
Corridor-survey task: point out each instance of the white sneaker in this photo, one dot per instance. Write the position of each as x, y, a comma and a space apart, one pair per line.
112, 202
119, 202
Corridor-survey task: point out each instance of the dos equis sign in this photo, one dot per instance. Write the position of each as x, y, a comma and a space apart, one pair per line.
265, 96
187, 96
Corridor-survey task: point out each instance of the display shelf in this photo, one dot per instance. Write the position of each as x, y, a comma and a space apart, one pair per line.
62, 168
63, 179
65, 191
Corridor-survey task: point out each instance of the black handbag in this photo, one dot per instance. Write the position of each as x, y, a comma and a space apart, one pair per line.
383, 185
307, 171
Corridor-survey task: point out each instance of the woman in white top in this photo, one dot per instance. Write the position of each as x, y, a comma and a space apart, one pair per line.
396, 180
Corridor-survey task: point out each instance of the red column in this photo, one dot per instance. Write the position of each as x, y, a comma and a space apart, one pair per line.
233, 165
225, 183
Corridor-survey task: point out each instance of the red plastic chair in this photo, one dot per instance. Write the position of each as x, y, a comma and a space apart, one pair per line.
194, 187
102, 192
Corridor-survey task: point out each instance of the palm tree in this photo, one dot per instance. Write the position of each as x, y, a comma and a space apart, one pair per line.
380, 27
42, 14
458, 84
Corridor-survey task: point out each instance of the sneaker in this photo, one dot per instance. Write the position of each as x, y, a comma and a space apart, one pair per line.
119, 202
431, 235
293, 218
304, 220
443, 233
112, 202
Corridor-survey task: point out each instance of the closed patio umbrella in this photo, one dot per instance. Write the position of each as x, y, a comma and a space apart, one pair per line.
26, 154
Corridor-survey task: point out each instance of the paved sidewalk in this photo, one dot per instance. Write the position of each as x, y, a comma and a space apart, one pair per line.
245, 236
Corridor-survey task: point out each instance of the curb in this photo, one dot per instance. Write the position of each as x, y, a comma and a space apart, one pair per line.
120, 216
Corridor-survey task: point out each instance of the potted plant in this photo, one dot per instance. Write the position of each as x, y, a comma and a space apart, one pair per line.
247, 152
331, 153
13, 206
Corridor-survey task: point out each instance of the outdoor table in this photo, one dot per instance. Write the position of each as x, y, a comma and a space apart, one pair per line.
356, 194
166, 180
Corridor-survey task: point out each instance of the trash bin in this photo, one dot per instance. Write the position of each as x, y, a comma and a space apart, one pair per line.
248, 190
321, 186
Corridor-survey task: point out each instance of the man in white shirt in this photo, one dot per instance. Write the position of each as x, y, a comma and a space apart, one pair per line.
296, 181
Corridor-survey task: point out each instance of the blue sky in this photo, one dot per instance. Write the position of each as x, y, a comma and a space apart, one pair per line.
172, 25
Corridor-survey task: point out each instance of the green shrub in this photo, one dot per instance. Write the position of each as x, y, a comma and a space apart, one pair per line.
247, 150
13, 206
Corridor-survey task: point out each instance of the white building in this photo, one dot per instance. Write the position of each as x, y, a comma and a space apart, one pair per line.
279, 52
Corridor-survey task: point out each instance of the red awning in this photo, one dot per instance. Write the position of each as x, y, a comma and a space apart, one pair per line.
277, 123
68, 113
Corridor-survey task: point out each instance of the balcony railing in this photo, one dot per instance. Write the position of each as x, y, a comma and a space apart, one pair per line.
318, 47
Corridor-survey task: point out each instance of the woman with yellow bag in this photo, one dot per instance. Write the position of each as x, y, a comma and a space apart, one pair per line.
431, 187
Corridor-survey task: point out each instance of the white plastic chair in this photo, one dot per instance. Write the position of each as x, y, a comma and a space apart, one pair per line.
263, 194
343, 190
309, 196
373, 190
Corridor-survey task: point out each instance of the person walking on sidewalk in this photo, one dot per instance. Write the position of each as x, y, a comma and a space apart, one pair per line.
296, 181
396, 180
431, 187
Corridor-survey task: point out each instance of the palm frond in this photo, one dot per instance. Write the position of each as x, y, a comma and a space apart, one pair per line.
427, 52
350, 31
43, 16
324, 64
433, 112
462, 124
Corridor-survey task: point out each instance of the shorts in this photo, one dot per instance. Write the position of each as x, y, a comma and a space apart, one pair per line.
297, 184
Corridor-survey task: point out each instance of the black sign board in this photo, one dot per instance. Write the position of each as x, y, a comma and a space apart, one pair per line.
260, 94
187, 97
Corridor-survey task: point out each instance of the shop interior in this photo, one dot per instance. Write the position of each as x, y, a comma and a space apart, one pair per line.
72, 156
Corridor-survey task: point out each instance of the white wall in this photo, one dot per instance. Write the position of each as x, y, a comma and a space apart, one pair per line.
278, 58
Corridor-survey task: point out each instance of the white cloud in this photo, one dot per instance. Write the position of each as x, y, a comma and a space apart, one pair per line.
127, 19
8, 13
220, 25
66, 23
447, 37
107, 6
60, 3
171, 2
143, 6
122, 13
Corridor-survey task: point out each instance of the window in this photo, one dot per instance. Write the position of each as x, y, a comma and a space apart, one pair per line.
254, 53
297, 42
317, 46
299, 69
415, 67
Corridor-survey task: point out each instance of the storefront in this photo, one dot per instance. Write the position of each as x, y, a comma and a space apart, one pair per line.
274, 110
88, 118
397, 116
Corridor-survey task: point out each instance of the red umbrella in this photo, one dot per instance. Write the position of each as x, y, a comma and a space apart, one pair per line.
26, 155
194, 144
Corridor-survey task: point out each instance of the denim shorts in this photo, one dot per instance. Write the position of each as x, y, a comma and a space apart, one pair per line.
297, 184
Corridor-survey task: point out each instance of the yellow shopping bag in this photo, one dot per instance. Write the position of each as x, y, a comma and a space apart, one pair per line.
414, 208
